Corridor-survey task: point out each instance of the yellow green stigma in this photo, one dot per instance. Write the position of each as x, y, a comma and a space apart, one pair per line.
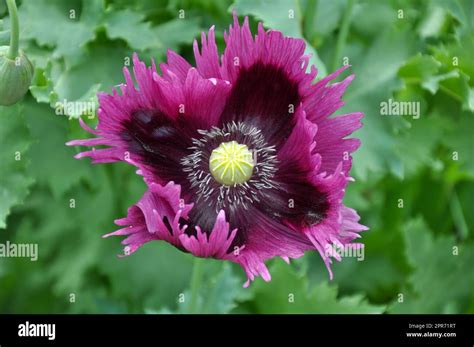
231, 163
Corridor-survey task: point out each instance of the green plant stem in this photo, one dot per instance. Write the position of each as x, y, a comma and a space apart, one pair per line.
15, 30
308, 20
196, 280
458, 216
341, 38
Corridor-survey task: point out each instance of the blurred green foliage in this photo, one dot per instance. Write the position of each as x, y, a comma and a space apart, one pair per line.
414, 177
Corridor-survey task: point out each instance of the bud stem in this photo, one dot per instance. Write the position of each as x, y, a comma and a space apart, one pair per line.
15, 30
195, 286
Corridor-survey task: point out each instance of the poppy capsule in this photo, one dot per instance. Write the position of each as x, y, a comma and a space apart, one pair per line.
15, 77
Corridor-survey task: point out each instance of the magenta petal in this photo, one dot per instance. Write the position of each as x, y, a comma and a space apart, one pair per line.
216, 245
331, 230
267, 85
157, 121
205, 100
254, 266
320, 102
300, 144
207, 60
268, 48
349, 222
331, 142
146, 219
176, 67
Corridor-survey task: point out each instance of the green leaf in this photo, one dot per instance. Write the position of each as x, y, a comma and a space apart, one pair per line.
158, 271
141, 35
442, 281
67, 230
178, 32
457, 74
419, 67
460, 140
289, 292
14, 156
78, 260
52, 162
4, 37
218, 294
432, 83
131, 27
72, 91
222, 291
384, 246
282, 15
376, 79
462, 10
377, 15
426, 131
70, 32
325, 18
433, 23
42, 87
455, 84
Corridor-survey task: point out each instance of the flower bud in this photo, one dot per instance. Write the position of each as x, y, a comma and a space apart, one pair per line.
15, 77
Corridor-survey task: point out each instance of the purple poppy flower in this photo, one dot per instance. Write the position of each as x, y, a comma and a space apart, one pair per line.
241, 159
